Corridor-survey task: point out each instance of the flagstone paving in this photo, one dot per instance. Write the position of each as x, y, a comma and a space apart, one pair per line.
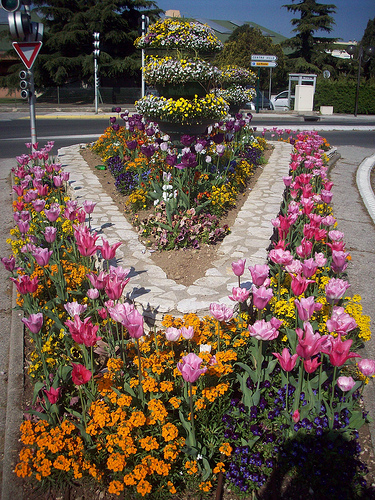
149, 287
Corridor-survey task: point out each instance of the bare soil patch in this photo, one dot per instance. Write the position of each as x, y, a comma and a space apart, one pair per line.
182, 265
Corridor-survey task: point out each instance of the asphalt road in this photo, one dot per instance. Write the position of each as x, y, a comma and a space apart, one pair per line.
65, 131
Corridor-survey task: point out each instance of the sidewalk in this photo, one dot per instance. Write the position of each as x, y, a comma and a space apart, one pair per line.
249, 240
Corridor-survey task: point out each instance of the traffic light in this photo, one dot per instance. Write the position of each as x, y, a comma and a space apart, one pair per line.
96, 44
143, 24
25, 84
11, 5
20, 26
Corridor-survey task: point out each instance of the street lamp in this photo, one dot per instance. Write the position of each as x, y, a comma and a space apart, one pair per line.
363, 54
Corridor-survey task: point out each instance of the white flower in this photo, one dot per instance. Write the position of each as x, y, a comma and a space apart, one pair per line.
205, 348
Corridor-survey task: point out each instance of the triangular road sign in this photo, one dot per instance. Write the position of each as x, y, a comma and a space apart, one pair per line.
27, 52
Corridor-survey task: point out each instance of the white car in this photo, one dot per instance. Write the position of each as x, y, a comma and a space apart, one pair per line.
280, 101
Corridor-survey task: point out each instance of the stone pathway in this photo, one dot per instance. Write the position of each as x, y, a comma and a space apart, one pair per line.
149, 286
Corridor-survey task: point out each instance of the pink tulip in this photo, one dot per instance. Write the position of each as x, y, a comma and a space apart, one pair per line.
296, 416
309, 267
335, 289
187, 333
85, 240
345, 383
287, 362
307, 307
280, 256
42, 256
261, 296
39, 204
23, 226
74, 308
89, 206
108, 252
367, 367
134, 324
221, 312
340, 351
287, 180
172, 334
53, 212
320, 259
263, 330
114, 286
339, 261
26, 285
259, 273
309, 343
326, 196
34, 322
340, 321
336, 235
239, 294
190, 367
311, 364
98, 281
304, 249
80, 374
295, 267
83, 332
57, 181
53, 394
92, 293
103, 313
299, 284
238, 267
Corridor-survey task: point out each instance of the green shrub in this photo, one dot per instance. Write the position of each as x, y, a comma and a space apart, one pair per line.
341, 95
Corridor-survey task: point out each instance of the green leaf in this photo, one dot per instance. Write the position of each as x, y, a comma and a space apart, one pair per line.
37, 387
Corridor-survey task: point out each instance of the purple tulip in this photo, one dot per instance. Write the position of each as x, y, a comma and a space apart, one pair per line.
34, 322
42, 256
50, 234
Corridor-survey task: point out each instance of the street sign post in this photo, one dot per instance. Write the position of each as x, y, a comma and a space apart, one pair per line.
27, 52
263, 61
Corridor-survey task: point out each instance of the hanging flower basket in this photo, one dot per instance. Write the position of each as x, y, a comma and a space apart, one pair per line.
186, 90
176, 130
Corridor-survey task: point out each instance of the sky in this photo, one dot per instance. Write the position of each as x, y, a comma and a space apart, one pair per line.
351, 15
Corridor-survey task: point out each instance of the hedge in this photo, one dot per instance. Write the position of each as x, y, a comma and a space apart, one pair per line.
341, 95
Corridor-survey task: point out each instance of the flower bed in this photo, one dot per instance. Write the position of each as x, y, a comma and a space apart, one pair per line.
190, 188
269, 387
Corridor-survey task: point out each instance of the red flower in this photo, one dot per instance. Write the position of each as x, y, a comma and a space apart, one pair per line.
80, 374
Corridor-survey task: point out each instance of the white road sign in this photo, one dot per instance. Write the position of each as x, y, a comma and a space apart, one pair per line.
258, 57
264, 64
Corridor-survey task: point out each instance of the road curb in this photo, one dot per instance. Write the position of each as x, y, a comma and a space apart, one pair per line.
11, 488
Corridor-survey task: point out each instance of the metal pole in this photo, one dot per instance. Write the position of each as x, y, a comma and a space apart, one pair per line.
257, 98
269, 92
358, 80
32, 108
96, 83
143, 27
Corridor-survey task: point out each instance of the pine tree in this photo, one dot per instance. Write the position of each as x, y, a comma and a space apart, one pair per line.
368, 40
66, 55
307, 48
